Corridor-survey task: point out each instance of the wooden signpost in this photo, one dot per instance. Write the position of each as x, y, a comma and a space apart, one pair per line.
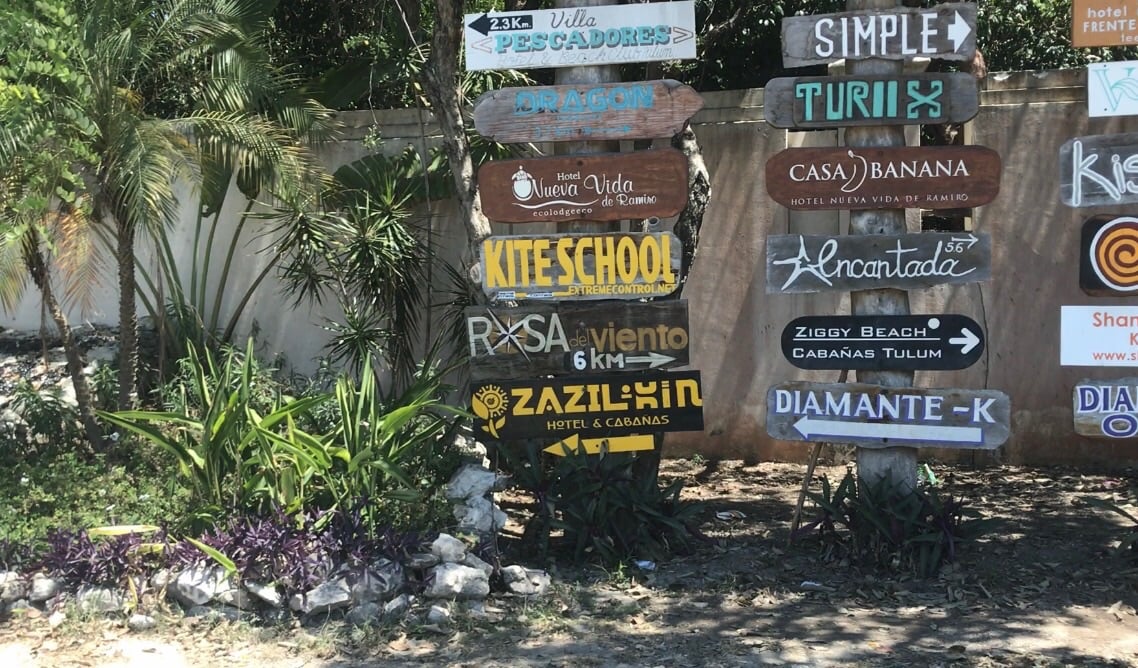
564, 266
592, 406
909, 99
602, 187
798, 263
945, 31
928, 177
1104, 22
1098, 335
883, 342
1112, 88
1106, 408
600, 35
1099, 170
633, 110
878, 416
564, 338
1108, 256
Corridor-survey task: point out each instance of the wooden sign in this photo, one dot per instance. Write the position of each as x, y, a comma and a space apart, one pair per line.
797, 263
883, 342
1106, 408
1099, 170
635, 110
608, 34
571, 266
1104, 22
946, 31
1108, 256
595, 406
601, 187
593, 446
559, 338
1112, 88
926, 177
874, 415
1098, 335
902, 99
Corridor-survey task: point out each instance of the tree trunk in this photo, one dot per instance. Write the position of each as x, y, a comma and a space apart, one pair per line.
128, 316
37, 267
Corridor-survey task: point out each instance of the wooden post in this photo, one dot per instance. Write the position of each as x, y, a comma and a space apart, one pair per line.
900, 464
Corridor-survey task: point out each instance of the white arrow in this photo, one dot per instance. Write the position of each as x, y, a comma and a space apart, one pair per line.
652, 359
958, 31
971, 239
909, 432
968, 341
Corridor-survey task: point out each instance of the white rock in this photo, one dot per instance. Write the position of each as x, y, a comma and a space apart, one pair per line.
438, 614
525, 581
364, 614
13, 587
100, 599
67, 391
268, 594
457, 581
56, 618
198, 585
448, 548
479, 515
230, 593
43, 588
475, 562
376, 582
161, 579
472, 481
397, 607
326, 597
421, 561
140, 622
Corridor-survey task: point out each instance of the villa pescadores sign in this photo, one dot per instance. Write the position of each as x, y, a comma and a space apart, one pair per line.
601, 187
608, 34
571, 266
910, 99
928, 177
625, 110
798, 263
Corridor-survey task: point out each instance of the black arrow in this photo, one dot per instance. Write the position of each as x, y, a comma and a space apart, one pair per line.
481, 24
485, 25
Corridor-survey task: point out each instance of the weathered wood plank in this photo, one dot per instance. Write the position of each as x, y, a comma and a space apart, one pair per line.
1108, 256
798, 263
1099, 170
572, 338
878, 416
602, 187
927, 177
907, 99
946, 31
650, 401
633, 110
883, 342
1106, 408
580, 267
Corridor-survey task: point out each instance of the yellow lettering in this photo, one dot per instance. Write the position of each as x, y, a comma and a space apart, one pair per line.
626, 255
604, 261
687, 391
566, 262
522, 248
607, 404
576, 393
521, 396
542, 261
650, 260
548, 401
583, 276
666, 258
492, 258
626, 340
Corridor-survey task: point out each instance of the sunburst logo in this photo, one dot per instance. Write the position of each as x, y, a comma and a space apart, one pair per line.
490, 403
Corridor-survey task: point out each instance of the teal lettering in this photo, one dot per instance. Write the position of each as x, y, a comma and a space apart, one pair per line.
859, 90
663, 34
573, 104
931, 100
644, 35
612, 37
525, 103
502, 42
628, 36
807, 92
596, 38
577, 39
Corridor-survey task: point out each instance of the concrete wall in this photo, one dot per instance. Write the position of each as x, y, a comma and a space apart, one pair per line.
736, 325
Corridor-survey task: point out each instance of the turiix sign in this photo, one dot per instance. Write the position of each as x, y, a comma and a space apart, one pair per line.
565, 266
945, 31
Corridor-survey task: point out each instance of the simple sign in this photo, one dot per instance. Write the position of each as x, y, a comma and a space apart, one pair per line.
946, 31
572, 266
873, 415
557, 338
1104, 22
883, 342
1099, 170
604, 187
927, 177
798, 263
637, 110
580, 36
651, 401
593, 446
909, 99
1098, 336
1108, 256
1106, 408
1112, 88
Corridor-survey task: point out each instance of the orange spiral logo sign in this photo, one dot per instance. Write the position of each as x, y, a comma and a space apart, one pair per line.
1114, 254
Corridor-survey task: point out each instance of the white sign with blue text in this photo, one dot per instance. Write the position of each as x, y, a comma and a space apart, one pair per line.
609, 34
1112, 88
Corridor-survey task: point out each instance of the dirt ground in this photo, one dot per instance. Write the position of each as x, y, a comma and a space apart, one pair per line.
1044, 588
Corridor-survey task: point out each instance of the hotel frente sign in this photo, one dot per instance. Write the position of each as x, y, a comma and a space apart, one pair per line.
927, 177
1104, 22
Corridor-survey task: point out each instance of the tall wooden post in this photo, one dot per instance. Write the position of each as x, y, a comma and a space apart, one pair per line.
900, 464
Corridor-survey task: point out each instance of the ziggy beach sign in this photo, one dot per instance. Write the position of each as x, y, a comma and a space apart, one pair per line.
609, 34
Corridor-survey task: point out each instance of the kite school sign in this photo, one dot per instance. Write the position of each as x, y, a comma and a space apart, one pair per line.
608, 34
